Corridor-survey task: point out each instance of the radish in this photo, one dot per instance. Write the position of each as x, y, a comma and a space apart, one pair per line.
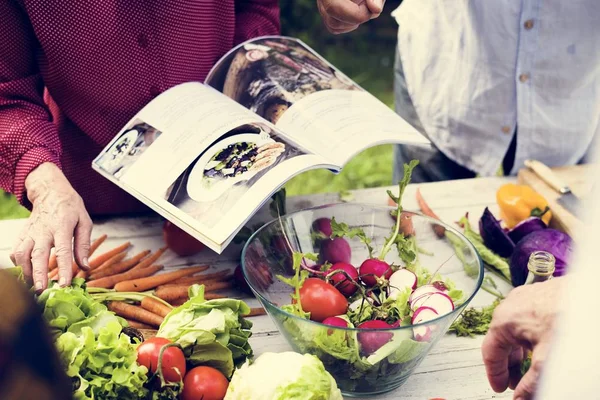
440, 302
322, 225
370, 342
372, 269
424, 314
335, 250
341, 281
419, 295
441, 286
399, 281
336, 321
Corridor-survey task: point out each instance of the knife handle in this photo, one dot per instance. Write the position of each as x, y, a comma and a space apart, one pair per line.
547, 175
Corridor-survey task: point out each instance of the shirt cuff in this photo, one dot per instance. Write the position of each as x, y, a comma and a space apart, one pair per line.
28, 162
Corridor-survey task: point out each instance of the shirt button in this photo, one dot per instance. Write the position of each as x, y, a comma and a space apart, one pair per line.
528, 24
506, 129
524, 77
142, 40
154, 91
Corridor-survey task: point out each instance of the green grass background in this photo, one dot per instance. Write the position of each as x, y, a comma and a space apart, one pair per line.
365, 55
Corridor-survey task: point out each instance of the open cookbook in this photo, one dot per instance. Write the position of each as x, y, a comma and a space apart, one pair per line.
207, 156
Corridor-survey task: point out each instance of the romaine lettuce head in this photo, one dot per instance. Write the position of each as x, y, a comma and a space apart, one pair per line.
280, 376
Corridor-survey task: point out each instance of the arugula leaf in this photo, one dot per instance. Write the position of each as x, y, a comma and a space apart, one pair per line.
473, 321
343, 230
296, 281
408, 168
407, 248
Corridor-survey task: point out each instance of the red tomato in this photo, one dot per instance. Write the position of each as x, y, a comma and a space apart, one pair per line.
173, 360
321, 299
204, 383
176, 239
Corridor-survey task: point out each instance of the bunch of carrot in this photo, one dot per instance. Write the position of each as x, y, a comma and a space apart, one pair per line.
138, 273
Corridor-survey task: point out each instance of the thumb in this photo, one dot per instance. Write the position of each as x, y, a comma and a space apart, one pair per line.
375, 7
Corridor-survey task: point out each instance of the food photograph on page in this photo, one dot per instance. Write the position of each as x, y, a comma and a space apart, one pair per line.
130, 145
219, 177
269, 75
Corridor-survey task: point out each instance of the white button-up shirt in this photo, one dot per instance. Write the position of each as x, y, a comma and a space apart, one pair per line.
477, 69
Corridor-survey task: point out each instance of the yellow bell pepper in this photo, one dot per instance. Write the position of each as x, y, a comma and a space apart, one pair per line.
519, 202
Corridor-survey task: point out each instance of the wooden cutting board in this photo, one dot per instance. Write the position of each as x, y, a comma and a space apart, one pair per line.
577, 177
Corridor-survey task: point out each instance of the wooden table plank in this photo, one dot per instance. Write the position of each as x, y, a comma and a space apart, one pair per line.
452, 370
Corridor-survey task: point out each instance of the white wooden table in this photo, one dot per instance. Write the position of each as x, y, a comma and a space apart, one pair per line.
452, 370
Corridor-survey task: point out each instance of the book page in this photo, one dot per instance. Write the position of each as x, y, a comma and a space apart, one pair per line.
203, 158
286, 82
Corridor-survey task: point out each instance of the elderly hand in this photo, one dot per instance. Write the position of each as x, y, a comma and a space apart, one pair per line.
342, 16
58, 216
523, 321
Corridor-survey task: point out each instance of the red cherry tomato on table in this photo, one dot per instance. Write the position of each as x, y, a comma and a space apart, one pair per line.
204, 383
173, 360
321, 299
179, 241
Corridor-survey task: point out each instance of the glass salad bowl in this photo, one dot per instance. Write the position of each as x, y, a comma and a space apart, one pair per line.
372, 335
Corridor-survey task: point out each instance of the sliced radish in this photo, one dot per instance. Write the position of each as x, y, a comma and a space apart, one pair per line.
440, 302
356, 304
424, 314
422, 333
425, 289
399, 281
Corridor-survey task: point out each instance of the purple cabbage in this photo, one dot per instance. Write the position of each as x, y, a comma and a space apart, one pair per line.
526, 227
494, 237
557, 243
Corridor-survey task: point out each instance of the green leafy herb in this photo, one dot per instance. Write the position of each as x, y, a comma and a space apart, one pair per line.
408, 168
474, 321
407, 248
343, 230
346, 196
103, 366
210, 332
296, 282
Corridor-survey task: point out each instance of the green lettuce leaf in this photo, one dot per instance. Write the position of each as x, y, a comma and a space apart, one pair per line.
210, 332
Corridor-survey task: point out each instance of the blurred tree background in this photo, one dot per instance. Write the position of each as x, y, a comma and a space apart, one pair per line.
367, 56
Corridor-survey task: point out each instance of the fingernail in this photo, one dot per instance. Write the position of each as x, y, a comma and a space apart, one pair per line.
85, 262
62, 282
38, 286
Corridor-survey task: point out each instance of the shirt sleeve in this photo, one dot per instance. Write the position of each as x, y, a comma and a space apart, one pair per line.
28, 137
256, 18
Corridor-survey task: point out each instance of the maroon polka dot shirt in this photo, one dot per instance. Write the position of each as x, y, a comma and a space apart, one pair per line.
72, 73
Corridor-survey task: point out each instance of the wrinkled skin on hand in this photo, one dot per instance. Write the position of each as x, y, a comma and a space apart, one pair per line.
58, 219
523, 321
342, 16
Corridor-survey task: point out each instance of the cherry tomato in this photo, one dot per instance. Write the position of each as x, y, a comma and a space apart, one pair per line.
179, 241
204, 383
173, 360
321, 299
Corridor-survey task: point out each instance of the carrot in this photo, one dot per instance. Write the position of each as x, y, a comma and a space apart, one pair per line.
135, 313
169, 293
108, 282
206, 283
439, 230
102, 258
119, 267
52, 263
146, 262
150, 304
255, 312
82, 274
53, 274
201, 278
93, 247
150, 282
138, 325
208, 296
113, 260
